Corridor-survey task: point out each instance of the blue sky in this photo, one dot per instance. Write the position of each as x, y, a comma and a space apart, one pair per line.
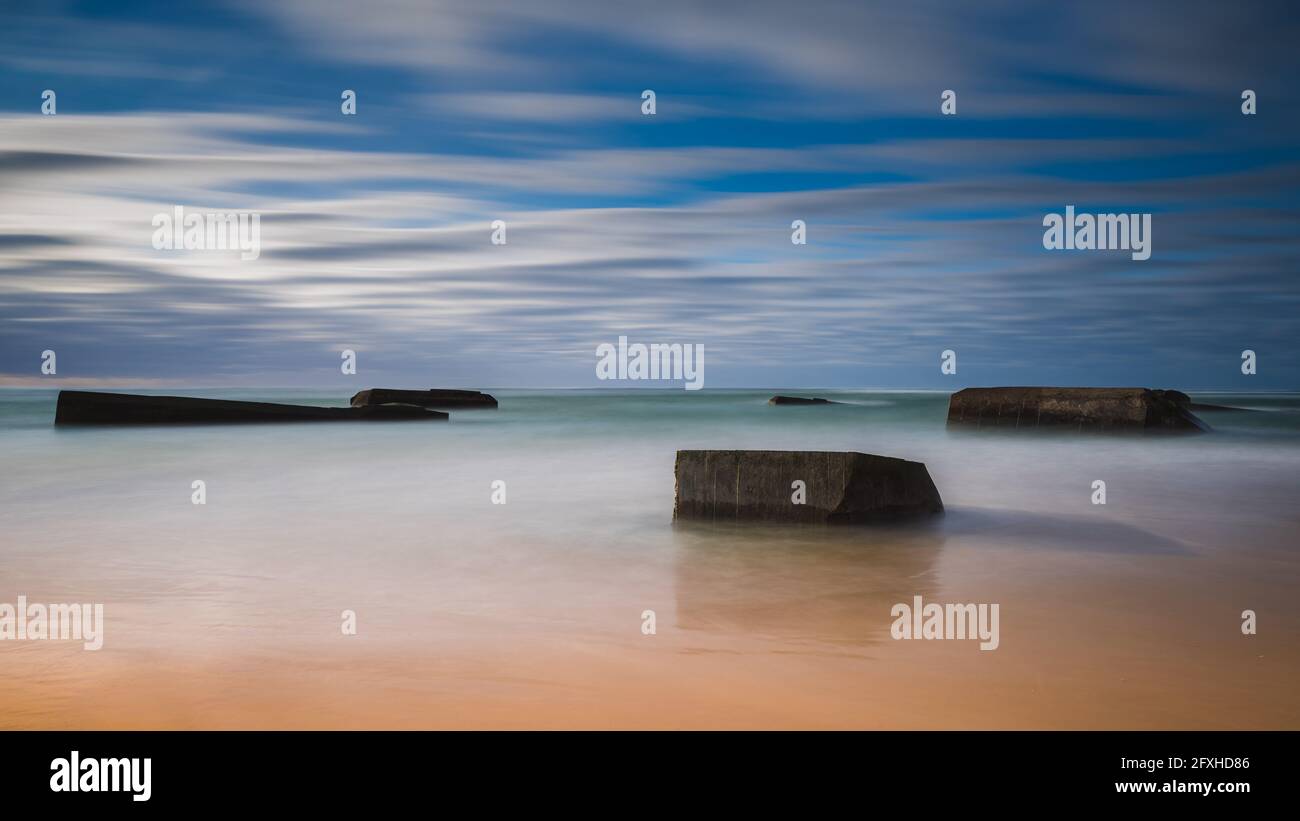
924, 230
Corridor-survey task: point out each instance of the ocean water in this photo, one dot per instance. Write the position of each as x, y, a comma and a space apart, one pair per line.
532, 613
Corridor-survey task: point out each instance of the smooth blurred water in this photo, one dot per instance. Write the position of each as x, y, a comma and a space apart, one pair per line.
395, 521
605, 458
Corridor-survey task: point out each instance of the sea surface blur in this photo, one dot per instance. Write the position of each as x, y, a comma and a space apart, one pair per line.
531, 613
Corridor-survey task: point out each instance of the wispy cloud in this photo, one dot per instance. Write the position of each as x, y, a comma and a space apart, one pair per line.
924, 231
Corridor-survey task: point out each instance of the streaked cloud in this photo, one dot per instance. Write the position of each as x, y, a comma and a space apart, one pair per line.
924, 232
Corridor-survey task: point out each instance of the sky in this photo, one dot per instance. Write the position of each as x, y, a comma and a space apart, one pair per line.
924, 230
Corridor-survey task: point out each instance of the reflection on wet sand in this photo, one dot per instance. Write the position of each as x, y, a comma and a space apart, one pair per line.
833, 584
1022, 528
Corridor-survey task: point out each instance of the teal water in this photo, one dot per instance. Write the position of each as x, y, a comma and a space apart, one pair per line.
574, 451
396, 521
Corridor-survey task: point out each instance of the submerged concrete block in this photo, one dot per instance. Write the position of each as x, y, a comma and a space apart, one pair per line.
839, 488
1084, 409
440, 398
800, 400
93, 408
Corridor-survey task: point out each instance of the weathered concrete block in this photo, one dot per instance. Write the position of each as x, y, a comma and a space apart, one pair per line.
799, 400
439, 398
841, 488
1084, 409
93, 408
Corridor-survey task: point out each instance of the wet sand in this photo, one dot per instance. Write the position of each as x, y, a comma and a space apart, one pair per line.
790, 634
